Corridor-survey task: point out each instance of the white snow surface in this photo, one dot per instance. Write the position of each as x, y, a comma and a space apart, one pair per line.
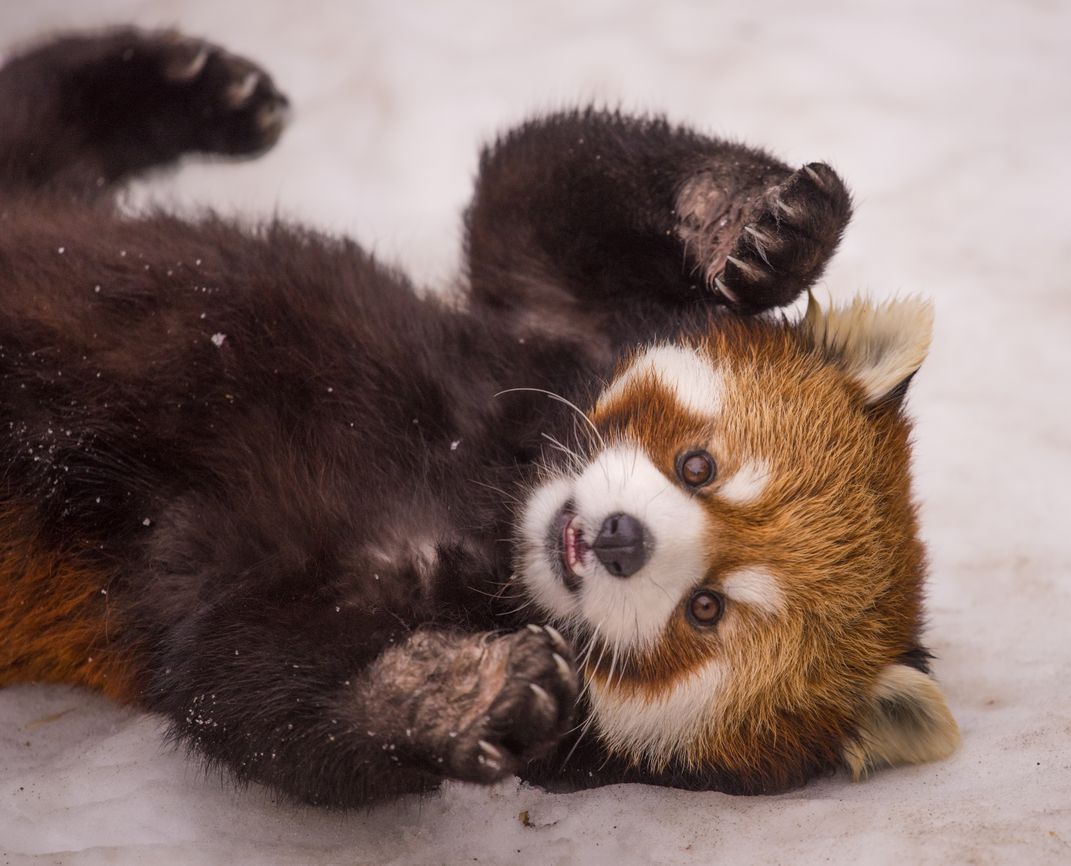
951, 121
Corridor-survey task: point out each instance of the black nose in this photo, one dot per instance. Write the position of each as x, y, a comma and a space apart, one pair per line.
621, 545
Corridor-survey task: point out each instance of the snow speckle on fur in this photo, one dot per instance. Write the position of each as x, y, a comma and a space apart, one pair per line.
946, 120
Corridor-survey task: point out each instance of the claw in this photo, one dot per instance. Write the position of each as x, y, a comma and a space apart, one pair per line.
535, 629
750, 270
564, 670
815, 176
543, 697
555, 636
759, 242
719, 284
273, 118
790, 212
238, 94
757, 235
182, 72
491, 752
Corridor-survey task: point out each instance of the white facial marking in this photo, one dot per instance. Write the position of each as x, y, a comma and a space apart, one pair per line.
756, 587
681, 370
657, 727
747, 484
627, 612
538, 576
633, 611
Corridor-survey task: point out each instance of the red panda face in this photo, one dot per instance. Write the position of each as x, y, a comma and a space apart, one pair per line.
737, 558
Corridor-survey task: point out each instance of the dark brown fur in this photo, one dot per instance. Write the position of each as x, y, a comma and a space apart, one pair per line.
255, 477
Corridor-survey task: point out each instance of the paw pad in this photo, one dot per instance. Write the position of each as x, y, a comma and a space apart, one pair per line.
528, 714
786, 241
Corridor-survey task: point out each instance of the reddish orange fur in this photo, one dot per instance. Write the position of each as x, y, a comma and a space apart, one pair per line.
54, 615
835, 524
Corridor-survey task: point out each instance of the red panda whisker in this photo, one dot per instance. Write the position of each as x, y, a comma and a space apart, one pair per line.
598, 663
617, 641
511, 497
586, 725
636, 620
499, 594
583, 731
603, 646
664, 591
580, 434
585, 687
577, 460
560, 399
613, 665
518, 609
625, 652
659, 493
503, 594
584, 654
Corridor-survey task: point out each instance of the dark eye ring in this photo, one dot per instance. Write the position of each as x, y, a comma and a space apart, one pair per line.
696, 469
705, 608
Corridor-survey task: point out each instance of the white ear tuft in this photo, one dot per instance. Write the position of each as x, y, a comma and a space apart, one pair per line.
907, 722
879, 345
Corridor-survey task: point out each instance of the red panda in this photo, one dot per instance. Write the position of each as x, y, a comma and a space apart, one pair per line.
257, 484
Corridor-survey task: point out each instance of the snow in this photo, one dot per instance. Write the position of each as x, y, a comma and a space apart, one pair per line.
951, 122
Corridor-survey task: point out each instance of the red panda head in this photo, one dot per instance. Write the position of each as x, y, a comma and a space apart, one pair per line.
738, 559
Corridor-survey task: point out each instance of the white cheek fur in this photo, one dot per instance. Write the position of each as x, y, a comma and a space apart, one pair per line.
655, 728
539, 577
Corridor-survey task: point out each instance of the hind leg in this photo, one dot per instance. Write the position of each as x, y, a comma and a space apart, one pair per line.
82, 113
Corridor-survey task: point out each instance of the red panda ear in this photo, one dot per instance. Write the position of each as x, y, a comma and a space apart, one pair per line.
881, 346
906, 721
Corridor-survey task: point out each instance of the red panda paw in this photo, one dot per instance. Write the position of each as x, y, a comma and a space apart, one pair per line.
788, 240
231, 105
527, 716
148, 97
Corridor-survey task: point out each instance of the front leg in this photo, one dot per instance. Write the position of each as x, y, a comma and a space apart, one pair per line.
341, 708
604, 224
470, 707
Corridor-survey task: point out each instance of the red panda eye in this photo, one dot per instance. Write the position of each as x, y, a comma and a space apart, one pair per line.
705, 607
696, 468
